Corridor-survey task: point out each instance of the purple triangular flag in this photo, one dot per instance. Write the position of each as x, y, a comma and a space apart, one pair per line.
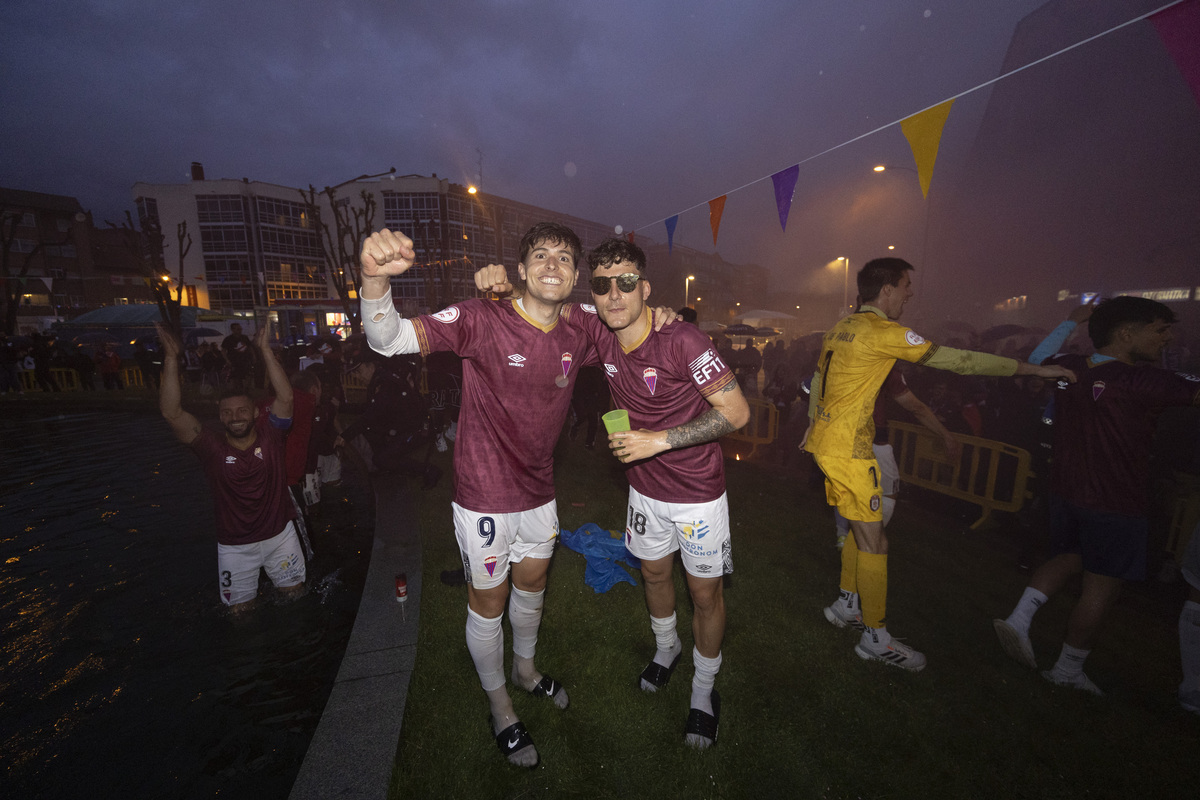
785, 187
671, 223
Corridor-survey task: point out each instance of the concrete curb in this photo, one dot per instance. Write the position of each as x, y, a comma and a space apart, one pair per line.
352, 753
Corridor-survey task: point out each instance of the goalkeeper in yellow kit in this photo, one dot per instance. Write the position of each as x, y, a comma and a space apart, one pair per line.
856, 356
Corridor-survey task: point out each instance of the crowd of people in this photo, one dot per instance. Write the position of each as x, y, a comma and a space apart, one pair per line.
498, 379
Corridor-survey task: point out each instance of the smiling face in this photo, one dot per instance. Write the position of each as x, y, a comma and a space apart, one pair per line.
237, 415
892, 298
549, 271
620, 310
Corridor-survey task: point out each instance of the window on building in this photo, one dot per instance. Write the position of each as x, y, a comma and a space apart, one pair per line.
283, 213
217, 208
28, 220
223, 239
147, 208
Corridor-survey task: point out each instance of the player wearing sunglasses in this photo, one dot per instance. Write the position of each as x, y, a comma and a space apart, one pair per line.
681, 399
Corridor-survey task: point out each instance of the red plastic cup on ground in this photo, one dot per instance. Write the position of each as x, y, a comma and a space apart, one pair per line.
401, 588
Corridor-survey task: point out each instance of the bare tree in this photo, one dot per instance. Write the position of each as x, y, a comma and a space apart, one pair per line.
340, 242
14, 283
146, 246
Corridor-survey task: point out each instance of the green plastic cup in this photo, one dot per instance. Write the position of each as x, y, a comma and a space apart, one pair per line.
616, 421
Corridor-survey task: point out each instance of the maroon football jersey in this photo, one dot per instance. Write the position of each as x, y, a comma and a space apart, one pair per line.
517, 383
250, 494
1104, 429
663, 381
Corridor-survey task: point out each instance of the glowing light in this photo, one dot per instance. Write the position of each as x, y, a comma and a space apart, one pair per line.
880, 168
471, 190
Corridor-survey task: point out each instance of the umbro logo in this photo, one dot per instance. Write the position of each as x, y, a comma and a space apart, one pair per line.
611, 369
230, 459
516, 360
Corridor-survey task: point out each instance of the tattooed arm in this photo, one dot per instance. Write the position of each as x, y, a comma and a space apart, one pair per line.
728, 413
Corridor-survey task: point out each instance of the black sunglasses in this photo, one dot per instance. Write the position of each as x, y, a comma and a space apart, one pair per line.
626, 283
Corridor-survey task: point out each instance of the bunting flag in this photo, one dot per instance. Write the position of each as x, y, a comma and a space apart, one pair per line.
924, 134
785, 188
1179, 29
629, 236
715, 209
671, 223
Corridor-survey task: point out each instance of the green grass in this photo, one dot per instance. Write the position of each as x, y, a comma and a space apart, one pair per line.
802, 715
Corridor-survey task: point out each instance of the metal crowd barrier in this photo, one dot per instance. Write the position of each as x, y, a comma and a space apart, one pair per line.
762, 428
990, 474
68, 380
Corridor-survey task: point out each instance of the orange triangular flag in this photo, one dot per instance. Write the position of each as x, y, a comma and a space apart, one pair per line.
924, 134
715, 209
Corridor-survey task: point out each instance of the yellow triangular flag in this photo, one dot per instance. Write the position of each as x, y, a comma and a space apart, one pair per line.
924, 134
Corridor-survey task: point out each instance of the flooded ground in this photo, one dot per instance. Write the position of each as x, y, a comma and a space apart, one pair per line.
123, 676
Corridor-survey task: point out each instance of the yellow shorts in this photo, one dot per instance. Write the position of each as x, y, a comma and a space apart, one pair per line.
852, 486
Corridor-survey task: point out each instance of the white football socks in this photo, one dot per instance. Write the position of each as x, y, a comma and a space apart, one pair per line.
485, 642
703, 680
1022, 616
525, 616
666, 640
1070, 663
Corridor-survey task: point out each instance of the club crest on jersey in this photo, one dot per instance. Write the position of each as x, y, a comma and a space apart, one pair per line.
588, 307
913, 338
258, 453
566, 363
489, 564
697, 530
650, 376
1097, 389
516, 360
447, 315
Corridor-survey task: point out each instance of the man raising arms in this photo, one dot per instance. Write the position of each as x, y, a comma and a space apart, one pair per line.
856, 356
681, 398
247, 470
519, 363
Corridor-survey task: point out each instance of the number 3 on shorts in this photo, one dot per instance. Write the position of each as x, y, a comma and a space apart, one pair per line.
226, 579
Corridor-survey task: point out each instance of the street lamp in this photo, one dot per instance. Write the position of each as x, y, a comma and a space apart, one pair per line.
363, 177
687, 285
845, 285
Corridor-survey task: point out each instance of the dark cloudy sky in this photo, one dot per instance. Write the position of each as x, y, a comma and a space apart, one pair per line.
622, 112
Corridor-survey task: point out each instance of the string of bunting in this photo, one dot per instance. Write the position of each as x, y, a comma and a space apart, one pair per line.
1177, 24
